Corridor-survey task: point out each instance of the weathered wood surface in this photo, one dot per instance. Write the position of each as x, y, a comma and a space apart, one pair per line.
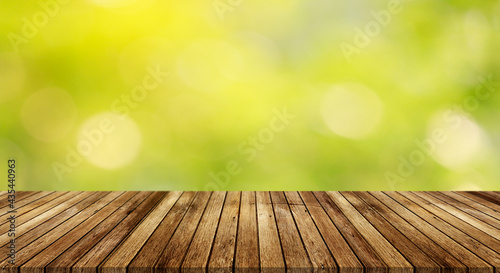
345, 232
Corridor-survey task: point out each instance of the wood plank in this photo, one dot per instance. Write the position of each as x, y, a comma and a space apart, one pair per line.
446, 261
25, 201
37, 263
45, 227
319, 254
223, 250
27, 194
432, 227
419, 259
365, 253
467, 223
477, 242
494, 194
147, 257
296, 258
247, 243
26, 253
29, 211
270, 252
173, 255
42, 213
95, 256
43, 203
390, 255
196, 259
473, 217
24, 194
19, 196
4, 201
119, 259
139, 204
475, 205
478, 200
342, 252
249, 232
491, 199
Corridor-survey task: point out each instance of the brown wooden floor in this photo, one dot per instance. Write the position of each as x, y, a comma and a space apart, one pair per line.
350, 232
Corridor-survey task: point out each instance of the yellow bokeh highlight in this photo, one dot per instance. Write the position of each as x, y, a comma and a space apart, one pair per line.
198, 80
463, 140
351, 110
109, 141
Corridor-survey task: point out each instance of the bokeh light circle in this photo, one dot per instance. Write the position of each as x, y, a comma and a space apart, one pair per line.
467, 187
462, 139
351, 110
12, 76
109, 141
49, 114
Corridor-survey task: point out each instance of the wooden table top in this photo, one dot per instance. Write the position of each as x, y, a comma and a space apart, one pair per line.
351, 232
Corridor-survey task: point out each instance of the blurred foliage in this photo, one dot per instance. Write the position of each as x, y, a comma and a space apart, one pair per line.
191, 95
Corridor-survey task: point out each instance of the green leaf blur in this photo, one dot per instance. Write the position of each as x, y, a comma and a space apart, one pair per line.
251, 95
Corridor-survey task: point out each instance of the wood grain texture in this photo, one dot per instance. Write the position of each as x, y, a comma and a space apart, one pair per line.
80, 210
366, 254
459, 231
389, 254
89, 240
25, 201
201, 245
152, 249
19, 196
247, 243
5, 197
494, 201
296, 257
29, 251
434, 227
419, 259
476, 218
446, 261
39, 225
344, 256
96, 255
199, 232
270, 252
118, 261
35, 210
175, 251
471, 203
47, 255
224, 247
317, 250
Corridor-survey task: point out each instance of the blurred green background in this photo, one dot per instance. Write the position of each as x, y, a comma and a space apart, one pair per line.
250, 95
